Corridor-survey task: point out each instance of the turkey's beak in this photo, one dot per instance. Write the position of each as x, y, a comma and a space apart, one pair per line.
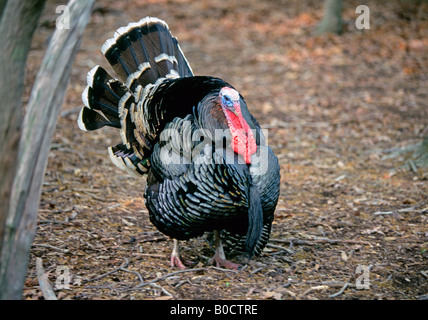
233, 110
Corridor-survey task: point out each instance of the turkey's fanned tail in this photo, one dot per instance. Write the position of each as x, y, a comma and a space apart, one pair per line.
140, 53
145, 51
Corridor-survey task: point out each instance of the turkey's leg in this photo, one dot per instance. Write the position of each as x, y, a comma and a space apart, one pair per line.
175, 256
219, 257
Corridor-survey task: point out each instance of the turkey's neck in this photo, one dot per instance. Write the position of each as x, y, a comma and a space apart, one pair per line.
210, 115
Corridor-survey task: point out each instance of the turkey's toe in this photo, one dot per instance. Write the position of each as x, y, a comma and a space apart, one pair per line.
223, 263
176, 262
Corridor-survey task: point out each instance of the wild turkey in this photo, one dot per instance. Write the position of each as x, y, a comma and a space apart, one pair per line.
208, 166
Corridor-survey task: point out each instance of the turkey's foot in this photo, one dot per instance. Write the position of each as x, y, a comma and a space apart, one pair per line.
219, 257
176, 262
176, 258
222, 262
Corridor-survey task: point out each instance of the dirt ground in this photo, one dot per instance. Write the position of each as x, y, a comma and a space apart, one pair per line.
351, 223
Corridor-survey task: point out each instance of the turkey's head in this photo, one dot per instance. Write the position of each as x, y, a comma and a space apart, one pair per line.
243, 141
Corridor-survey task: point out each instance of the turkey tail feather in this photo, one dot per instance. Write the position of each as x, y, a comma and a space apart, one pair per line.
145, 51
107, 103
140, 53
101, 99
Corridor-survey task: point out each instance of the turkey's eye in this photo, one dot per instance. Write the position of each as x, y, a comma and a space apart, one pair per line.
227, 101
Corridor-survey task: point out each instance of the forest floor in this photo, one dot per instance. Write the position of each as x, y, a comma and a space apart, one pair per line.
351, 222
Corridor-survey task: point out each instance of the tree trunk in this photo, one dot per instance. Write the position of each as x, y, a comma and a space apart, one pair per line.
2, 6
332, 20
17, 25
38, 128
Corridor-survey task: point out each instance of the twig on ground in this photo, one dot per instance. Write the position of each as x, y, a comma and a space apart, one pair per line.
319, 241
340, 291
222, 269
411, 209
44, 283
151, 255
153, 239
334, 283
316, 288
256, 270
135, 272
167, 276
53, 222
154, 285
93, 196
289, 251
180, 283
49, 246
124, 265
